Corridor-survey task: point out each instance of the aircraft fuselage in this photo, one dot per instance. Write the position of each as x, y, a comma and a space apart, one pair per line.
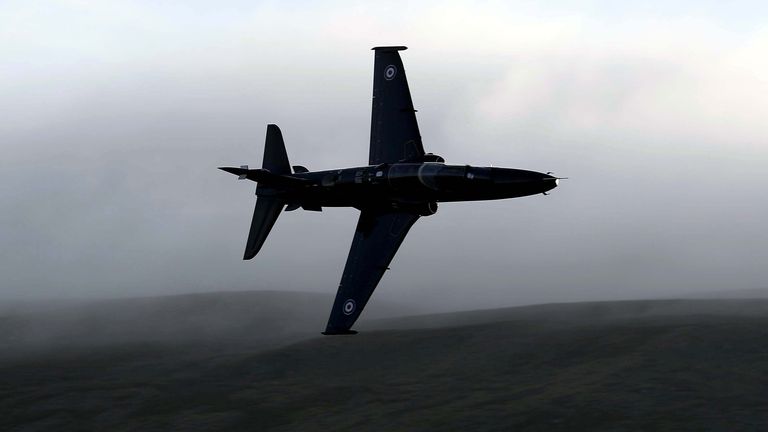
403, 185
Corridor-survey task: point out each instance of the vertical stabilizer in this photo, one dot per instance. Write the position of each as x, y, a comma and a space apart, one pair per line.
275, 156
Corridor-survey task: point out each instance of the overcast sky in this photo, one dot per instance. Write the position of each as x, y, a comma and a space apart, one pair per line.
115, 115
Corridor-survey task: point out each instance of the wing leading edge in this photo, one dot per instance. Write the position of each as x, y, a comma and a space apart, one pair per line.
377, 238
394, 130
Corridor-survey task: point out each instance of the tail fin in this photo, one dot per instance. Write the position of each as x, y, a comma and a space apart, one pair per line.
268, 209
264, 216
275, 168
275, 156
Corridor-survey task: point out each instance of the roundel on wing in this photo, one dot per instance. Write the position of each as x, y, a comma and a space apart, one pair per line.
348, 307
390, 72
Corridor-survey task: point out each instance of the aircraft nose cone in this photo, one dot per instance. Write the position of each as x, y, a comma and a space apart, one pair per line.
523, 182
550, 182
548, 178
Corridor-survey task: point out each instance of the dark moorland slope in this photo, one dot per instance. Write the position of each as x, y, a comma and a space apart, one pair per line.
635, 365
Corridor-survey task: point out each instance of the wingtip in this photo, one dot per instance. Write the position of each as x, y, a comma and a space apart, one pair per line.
389, 48
338, 332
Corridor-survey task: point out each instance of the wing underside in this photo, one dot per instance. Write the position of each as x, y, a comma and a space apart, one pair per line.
377, 238
394, 130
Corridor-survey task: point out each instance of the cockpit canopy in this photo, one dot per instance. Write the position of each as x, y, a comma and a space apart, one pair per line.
437, 176
478, 173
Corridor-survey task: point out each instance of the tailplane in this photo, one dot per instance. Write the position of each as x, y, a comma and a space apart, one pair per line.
264, 217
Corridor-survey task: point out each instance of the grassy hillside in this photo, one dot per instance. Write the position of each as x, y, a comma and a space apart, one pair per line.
646, 365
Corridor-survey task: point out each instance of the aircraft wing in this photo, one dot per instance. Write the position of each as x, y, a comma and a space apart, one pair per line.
394, 130
377, 237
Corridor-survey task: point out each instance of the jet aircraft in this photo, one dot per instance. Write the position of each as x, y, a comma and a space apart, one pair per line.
400, 184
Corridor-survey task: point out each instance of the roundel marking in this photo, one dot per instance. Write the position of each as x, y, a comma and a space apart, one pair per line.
390, 72
349, 307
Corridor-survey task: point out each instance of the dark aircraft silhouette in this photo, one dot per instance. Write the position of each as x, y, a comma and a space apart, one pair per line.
400, 184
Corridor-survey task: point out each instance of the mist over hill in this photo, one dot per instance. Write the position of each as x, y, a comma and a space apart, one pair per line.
241, 317
256, 361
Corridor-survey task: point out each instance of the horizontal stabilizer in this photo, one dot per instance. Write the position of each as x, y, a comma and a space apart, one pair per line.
265, 176
241, 172
264, 216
